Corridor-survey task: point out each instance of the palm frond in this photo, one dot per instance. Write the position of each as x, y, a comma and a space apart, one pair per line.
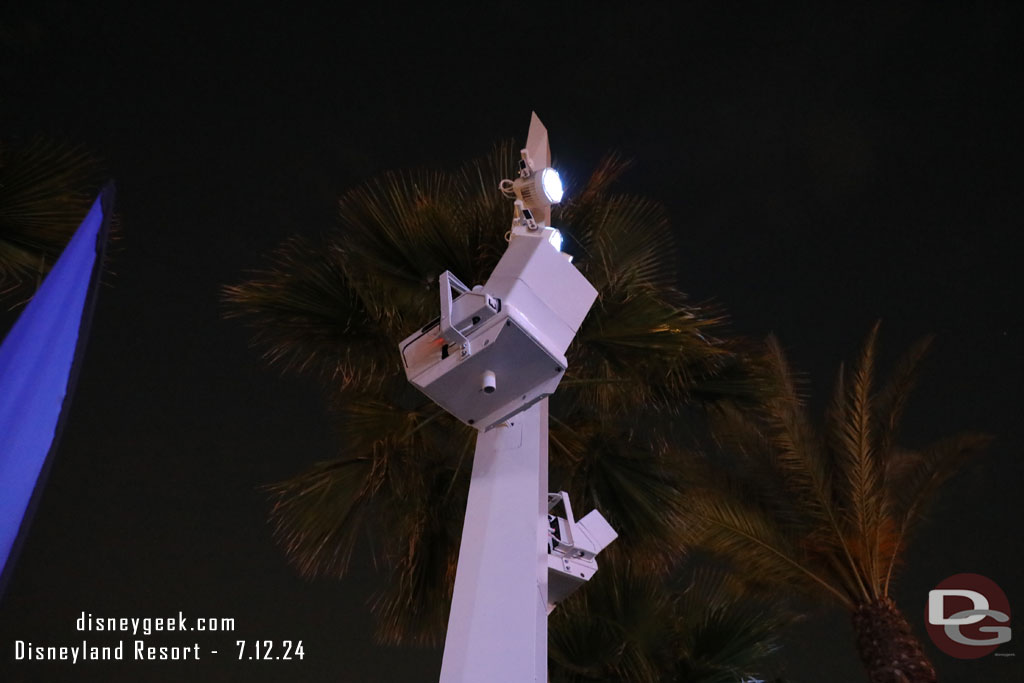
914, 478
739, 379
398, 237
891, 400
609, 170
402, 229
862, 475
796, 450
413, 606
388, 453
838, 506
628, 242
46, 189
318, 515
306, 317
619, 628
634, 484
639, 349
423, 469
800, 456
727, 522
727, 634
630, 626
776, 460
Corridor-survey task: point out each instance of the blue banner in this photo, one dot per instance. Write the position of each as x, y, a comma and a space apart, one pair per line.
39, 360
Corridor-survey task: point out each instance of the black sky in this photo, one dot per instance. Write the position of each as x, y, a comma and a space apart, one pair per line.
823, 168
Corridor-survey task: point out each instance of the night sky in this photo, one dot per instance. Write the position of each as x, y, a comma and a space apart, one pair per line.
823, 168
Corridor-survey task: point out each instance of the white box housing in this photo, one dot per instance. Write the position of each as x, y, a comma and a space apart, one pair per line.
517, 326
573, 547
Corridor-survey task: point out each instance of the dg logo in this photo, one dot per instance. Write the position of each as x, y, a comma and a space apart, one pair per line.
963, 616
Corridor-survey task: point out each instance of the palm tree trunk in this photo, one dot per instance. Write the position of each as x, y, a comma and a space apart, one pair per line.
888, 649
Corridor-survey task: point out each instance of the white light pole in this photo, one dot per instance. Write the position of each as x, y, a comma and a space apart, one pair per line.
492, 358
498, 630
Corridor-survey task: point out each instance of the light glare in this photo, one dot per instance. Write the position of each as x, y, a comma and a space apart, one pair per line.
551, 182
556, 239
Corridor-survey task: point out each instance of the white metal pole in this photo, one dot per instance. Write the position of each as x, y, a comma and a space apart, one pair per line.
497, 630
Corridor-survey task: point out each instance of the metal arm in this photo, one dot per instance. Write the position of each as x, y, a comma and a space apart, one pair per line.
448, 331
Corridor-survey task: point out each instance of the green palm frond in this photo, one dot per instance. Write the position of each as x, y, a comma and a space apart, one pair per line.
306, 317
403, 469
402, 229
339, 306
827, 509
608, 171
400, 232
428, 509
629, 626
626, 240
641, 344
46, 189
319, 514
635, 485
740, 378
861, 474
728, 634
620, 627
727, 519
891, 400
809, 473
639, 349
795, 450
915, 477
396, 415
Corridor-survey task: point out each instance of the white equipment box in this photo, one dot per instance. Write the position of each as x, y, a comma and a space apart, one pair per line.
500, 348
573, 546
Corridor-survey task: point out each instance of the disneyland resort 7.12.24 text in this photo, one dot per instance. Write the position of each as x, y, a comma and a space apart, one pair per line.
100, 648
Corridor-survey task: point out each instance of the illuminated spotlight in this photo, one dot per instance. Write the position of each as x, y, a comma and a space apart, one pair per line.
555, 238
551, 183
539, 190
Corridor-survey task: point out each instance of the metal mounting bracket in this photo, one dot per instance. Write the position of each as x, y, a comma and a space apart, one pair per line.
448, 331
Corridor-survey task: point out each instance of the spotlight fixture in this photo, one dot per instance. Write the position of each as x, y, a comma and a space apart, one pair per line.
539, 190
538, 186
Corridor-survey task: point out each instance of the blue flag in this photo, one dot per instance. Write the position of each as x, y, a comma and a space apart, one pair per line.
39, 360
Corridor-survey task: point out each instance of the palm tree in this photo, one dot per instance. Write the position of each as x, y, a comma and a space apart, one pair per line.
830, 513
46, 189
630, 626
337, 307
